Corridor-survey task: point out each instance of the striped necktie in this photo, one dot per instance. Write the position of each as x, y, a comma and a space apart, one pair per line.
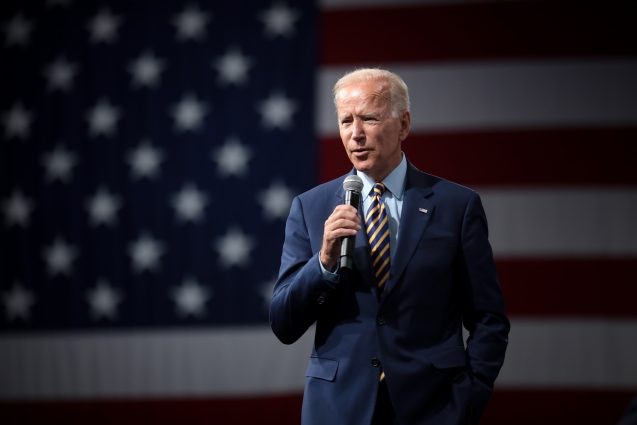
377, 224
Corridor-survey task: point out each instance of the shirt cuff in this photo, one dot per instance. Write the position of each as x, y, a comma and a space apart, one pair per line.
328, 275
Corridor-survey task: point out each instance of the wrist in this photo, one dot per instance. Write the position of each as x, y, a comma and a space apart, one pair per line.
327, 263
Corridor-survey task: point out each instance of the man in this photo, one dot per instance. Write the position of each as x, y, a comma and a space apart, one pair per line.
389, 347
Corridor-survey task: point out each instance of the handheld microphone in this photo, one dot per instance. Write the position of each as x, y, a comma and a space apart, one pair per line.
352, 186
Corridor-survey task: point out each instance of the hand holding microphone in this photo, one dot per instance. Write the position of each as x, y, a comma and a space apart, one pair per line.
352, 187
339, 233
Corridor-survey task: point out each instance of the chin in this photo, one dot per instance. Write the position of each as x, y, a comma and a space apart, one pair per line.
363, 166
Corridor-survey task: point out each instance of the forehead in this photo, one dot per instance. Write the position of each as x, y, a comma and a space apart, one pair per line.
362, 94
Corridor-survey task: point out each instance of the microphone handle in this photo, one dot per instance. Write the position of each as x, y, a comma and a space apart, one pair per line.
347, 244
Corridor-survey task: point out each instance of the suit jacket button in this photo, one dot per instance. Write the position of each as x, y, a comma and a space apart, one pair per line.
321, 299
380, 320
375, 362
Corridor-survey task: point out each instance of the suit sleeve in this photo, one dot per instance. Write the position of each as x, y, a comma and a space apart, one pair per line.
630, 415
301, 290
483, 306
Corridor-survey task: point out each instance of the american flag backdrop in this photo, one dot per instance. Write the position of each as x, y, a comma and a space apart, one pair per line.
149, 152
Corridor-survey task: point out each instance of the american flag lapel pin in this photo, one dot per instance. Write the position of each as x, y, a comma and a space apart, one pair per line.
423, 210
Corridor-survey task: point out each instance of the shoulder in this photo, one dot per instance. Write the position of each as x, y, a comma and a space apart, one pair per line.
439, 186
323, 191
319, 201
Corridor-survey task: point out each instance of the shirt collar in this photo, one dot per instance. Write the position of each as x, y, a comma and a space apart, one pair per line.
394, 182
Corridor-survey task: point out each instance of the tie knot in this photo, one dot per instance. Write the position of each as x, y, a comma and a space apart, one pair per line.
379, 189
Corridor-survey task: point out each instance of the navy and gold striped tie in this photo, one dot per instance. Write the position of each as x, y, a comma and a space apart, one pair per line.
377, 224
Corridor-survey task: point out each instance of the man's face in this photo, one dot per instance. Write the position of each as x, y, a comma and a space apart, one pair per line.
371, 136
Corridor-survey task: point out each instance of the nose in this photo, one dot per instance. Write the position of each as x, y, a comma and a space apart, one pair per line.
358, 133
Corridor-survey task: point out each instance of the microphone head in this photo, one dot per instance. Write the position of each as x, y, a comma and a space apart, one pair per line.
353, 183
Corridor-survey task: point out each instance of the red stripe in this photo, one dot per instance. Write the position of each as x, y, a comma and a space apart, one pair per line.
280, 410
556, 406
520, 407
590, 287
477, 31
525, 157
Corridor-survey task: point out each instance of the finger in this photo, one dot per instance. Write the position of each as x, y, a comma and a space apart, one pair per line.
345, 211
345, 207
343, 223
340, 233
349, 214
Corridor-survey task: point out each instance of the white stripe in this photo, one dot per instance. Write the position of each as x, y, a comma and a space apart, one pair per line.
251, 362
562, 222
224, 362
566, 353
489, 95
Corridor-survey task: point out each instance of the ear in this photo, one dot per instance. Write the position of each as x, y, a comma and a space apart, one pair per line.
405, 125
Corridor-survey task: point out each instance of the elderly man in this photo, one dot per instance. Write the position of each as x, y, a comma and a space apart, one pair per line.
388, 347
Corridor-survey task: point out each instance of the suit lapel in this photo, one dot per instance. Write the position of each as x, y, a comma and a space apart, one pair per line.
416, 212
362, 259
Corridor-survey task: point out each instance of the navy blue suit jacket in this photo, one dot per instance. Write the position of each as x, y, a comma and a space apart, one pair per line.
442, 277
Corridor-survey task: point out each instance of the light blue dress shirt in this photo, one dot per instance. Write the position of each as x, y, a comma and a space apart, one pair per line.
393, 199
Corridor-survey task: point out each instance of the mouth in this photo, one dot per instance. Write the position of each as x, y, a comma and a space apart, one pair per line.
360, 151
360, 154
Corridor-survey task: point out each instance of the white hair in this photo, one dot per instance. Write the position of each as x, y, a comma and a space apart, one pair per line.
395, 86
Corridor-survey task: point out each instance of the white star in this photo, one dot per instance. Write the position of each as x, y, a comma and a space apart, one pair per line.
190, 298
18, 31
189, 203
17, 122
233, 67
276, 112
104, 26
103, 299
232, 158
103, 118
189, 113
276, 201
60, 74
59, 257
17, 209
59, 164
234, 248
279, 20
18, 302
145, 253
146, 69
144, 160
102, 207
191, 23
